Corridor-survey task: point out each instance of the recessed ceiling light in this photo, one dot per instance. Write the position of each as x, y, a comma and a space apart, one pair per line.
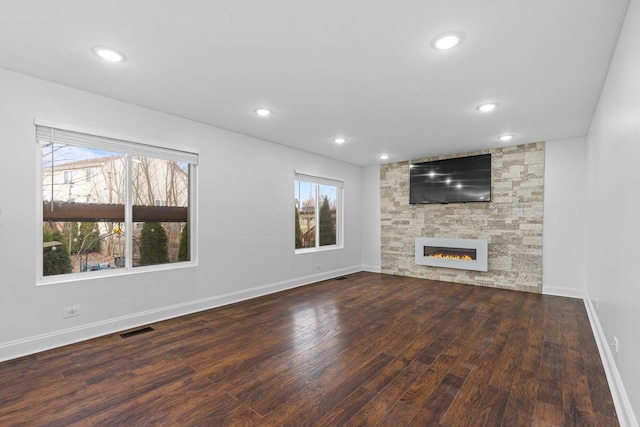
339, 140
505, 138
485, 108
447, 41
263, 112
383, 156
109, 54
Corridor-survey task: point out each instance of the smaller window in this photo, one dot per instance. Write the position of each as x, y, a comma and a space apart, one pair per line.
318, 212
67, 177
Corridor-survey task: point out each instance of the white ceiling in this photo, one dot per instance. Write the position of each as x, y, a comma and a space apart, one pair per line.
362, 69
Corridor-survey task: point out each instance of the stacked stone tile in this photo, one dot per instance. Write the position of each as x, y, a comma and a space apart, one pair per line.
511, 222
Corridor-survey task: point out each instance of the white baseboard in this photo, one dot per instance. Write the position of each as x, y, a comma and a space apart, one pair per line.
372, 268
626, 417
560, 291
35, 344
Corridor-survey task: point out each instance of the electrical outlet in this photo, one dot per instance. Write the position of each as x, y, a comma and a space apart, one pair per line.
317, 266
71, 311
615, 344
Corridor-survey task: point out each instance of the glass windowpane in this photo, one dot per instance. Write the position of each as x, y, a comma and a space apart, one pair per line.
81, 218
327, 215
160, 191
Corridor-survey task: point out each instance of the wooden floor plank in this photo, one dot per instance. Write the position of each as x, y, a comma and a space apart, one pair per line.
433, 411
371, 349
594, 370
324, 387
522, 400
400, 415
547, 415
378, 407
424, 388
491, 408
346, 409
550, 377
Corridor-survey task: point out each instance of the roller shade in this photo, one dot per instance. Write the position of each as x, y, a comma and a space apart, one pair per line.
46, 134
318, 180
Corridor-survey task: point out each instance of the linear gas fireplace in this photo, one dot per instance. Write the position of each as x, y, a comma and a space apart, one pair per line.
465, 254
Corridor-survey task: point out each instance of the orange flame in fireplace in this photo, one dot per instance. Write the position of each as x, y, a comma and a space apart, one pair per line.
464, 257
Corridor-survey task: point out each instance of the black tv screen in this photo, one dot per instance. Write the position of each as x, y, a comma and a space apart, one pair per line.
459, 180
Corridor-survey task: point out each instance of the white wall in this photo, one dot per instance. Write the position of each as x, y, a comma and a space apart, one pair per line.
564, 254
614, 209
246, 232
370, 219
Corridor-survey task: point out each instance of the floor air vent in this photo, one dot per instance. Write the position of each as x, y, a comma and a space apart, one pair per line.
136, 332
340, 278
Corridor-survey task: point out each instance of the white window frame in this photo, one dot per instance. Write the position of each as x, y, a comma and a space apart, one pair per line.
339, 184
131, 147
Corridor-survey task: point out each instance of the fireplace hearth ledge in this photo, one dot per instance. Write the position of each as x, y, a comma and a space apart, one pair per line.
480, 245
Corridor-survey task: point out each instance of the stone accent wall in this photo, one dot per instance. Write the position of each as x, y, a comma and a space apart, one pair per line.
511, 222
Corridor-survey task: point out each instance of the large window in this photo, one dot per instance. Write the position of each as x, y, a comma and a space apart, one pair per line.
109, 204
318, 212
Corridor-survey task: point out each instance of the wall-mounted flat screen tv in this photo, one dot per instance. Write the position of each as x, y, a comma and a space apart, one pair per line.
459, 180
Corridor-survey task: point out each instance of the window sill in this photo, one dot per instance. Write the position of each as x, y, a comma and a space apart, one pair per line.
101, 274
319, 249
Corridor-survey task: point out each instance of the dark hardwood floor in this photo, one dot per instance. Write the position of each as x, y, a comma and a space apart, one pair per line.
371, 349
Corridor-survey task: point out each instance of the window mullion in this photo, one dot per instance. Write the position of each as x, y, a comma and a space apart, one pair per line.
128, 213
339, 216
317, 213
